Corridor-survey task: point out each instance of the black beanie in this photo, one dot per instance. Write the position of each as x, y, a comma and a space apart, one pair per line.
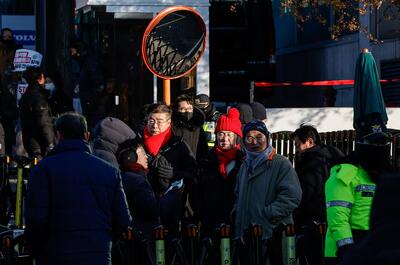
259, 112
246, 113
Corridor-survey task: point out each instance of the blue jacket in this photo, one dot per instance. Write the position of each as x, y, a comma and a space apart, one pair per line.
75, 205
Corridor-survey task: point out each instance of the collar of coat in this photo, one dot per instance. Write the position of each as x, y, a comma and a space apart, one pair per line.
270, 157
67, 145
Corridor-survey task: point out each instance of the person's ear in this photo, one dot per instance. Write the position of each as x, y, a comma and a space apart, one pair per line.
58, 136
87, 136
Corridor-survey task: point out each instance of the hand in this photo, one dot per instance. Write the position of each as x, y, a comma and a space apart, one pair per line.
165, 171
164, 183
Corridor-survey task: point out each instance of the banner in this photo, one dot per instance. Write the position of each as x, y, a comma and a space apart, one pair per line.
26, 58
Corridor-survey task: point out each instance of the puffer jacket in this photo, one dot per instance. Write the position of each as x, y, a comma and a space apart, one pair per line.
75, 206
108, 135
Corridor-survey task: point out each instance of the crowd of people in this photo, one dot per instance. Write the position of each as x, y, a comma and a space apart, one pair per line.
189, 163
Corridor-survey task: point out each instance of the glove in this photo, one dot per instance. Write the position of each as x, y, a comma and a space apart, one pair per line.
165, 171
341, 251
164, 184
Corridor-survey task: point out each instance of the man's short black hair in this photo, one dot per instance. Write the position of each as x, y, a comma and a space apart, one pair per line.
6, 29
305, 132
71, 125
182, 98
32, 75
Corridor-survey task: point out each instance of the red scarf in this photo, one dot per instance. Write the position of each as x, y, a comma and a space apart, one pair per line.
153, 143
133, 167
225, 157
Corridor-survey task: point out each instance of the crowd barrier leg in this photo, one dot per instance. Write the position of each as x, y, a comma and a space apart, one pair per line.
289, 245
191, 233
207, 254
18, 198
322, 228
237, 248
178, 256
225, 245
23, 164
5, 191
7, 249
160, 245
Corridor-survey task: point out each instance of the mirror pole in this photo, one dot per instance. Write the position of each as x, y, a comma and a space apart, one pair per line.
167, 91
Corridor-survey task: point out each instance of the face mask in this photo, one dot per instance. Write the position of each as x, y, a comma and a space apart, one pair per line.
186, 116
9, 43
50, 86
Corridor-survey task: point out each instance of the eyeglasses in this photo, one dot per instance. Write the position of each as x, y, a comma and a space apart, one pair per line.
259, 139
158, 122
222, 135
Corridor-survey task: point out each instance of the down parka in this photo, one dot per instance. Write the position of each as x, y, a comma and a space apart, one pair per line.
75, 205
108, 135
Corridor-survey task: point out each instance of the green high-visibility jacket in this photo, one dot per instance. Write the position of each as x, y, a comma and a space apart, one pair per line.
348, 193
209, 129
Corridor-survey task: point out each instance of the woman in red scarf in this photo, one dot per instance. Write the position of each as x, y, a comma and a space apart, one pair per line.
218, 173
172, 166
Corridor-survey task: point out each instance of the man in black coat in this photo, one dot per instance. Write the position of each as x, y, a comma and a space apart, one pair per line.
188, 123
313, 163
36, 118
173, 167
75, 201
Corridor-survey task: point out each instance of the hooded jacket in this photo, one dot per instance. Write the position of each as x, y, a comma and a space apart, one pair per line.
108, 135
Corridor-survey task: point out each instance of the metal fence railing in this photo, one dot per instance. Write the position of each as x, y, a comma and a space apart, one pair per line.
344, 140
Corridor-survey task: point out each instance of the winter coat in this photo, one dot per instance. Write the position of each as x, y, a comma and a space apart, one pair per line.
266, 197
142, 202
349, 193
36, 121
75, 205
108, 135
178, 155
313, 167
216, 195
192, 132
381, 246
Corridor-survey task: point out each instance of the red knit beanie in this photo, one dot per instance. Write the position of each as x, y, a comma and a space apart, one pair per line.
230, 122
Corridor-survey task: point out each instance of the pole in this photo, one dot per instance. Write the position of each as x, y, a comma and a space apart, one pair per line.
289, 245
167, 91
225, 247
160, 245
18, 200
